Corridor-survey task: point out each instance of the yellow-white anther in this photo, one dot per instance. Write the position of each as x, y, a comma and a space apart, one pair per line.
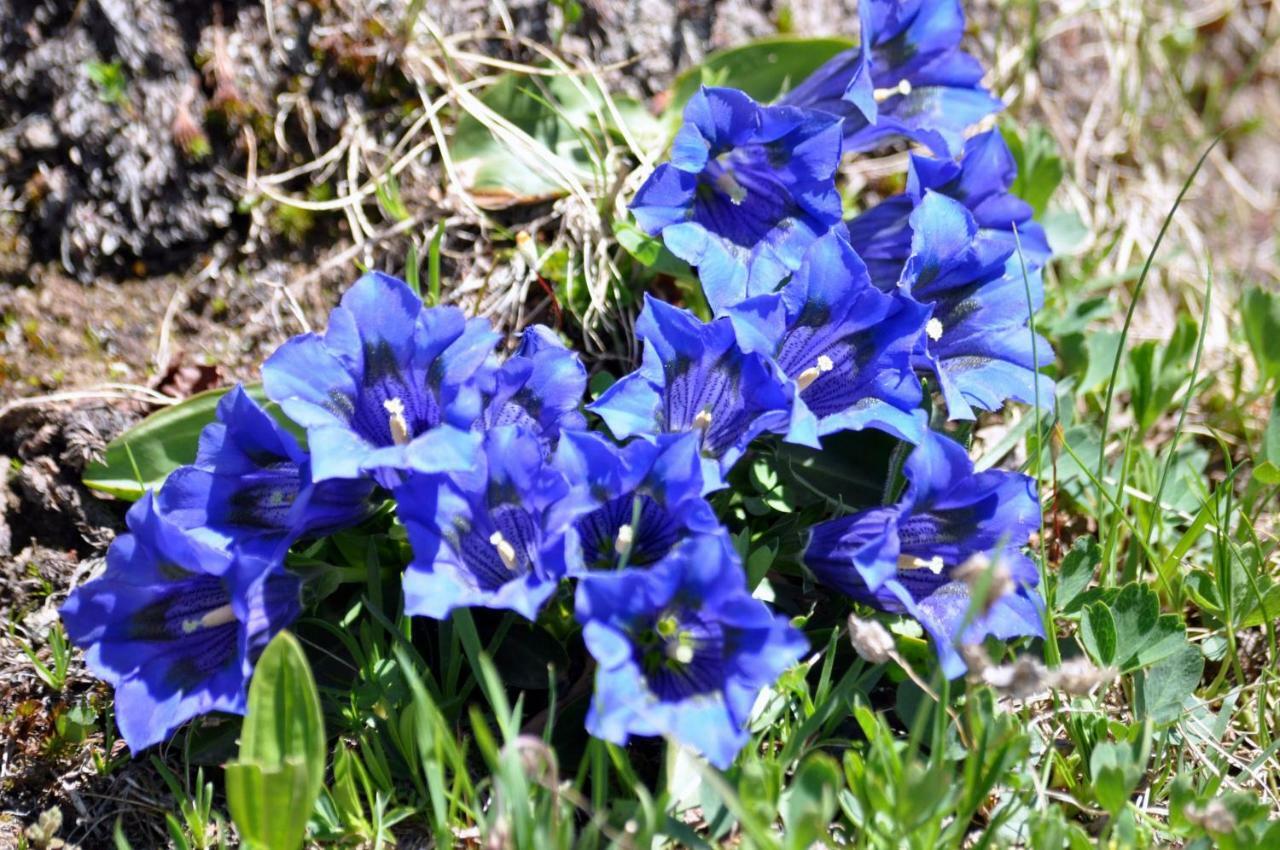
626, 536
910, 562
217, 617
703, 420
396, 421
933, 329
506, 551
902, 88
680, 652
808, 376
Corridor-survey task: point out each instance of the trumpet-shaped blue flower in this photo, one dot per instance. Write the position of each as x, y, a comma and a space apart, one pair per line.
902, 558
846, 345
488, 536
251, 488
907, 78
981, 181
747, 189
636, 503
174, 625
682, 650
695, 377
539, 387
977, 341
390, 386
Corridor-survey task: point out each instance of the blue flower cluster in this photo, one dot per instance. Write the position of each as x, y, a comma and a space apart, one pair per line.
819, 326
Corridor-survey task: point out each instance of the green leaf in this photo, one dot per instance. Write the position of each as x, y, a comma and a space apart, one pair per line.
763, 69
810, 801
1166, 686
564, 123
1076, 572
650, 252
1098, 633
1115, 774
1271, 437
142, 457
1040, 167
267, 804
1267, 473
1260, 315
274, 784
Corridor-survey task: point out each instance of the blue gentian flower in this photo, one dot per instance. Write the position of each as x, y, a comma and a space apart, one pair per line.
539, 387
981, 181
682, 650
747, 189
901, 558
696, 377
636, 503
907, 78
390, 386
250, 487
487, 536
977, 340
174, 625
846, 345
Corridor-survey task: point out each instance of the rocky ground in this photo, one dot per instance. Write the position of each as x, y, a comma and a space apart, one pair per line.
144, 253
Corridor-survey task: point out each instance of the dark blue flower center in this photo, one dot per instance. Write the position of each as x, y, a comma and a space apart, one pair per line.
740, 197
651, 532
391, 398
500, 550
707, 395
264, 498
196, 620
681, 653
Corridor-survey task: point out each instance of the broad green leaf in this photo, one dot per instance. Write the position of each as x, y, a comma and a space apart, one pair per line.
142, 457
566, 127
650, 252
1271, 437
1076, 572
1039, 165
1267, 473
810, 801
1098, 633
1260, 315
1115, 774
273, 785
270, 806
1165, 686
763, 69
1065, 231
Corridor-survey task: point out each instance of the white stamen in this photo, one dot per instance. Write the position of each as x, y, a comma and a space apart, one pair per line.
808, 376
395, 419
933, 329
506, 551
703, 420
625, 538
728, 184
217, 617
902, 88
910, 562
681, 653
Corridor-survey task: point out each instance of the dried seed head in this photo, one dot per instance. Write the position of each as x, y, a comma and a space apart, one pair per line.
1213, 816
1023, 679
1079, 676
989, 581
870, 640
